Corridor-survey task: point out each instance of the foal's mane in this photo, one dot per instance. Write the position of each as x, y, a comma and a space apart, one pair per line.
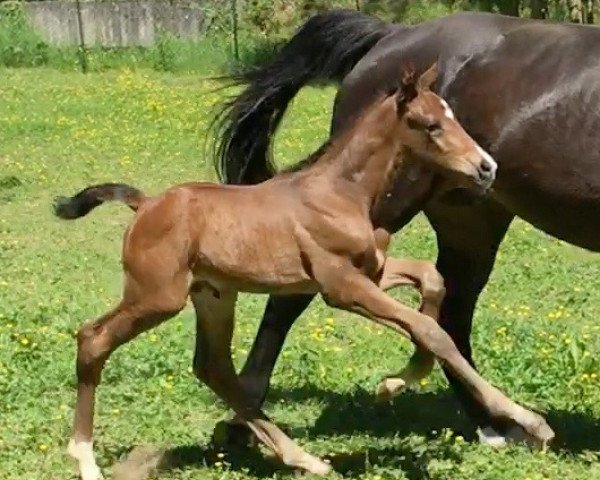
408, 80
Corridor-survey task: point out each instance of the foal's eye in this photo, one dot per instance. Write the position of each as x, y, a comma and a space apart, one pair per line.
429, 125
434, 128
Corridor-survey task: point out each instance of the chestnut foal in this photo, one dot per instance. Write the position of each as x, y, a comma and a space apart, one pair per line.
304, 231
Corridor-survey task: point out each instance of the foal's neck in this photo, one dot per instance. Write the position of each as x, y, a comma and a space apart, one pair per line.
368, 154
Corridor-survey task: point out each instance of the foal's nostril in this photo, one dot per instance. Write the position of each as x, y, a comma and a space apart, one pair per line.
486, 166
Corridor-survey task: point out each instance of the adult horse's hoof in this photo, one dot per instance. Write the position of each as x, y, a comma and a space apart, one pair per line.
517, 434
233, 434
389, 388
490, 437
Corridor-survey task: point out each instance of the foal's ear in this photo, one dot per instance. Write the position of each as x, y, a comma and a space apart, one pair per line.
407, 90
428, 78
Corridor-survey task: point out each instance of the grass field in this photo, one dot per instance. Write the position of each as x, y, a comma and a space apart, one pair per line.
537, 332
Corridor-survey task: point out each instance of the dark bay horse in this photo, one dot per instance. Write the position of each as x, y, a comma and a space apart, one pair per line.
209, 242
527, 91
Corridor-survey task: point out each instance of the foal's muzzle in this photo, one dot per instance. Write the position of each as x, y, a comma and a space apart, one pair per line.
486, 170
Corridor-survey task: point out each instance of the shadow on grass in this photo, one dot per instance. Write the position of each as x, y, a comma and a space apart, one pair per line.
250, 461
576, 432
357, 412
422, 413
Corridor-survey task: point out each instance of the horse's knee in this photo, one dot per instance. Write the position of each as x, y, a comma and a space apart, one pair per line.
169, 305
93, 348
212, 373
339, 296
382, 239
432, 284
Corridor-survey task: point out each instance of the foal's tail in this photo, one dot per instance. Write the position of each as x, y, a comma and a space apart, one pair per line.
89, 198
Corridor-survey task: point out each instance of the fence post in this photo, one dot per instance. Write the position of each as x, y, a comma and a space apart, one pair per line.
82, 53
234, 21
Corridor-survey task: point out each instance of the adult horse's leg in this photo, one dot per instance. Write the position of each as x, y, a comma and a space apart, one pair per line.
280, 314
468, 240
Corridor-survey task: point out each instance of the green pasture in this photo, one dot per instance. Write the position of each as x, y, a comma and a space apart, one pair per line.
537, 328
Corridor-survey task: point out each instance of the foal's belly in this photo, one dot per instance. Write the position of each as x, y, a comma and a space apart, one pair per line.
221, 282
259, 255
560, 213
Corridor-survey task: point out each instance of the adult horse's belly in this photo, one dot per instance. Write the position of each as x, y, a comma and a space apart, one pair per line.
537, 110
549, 169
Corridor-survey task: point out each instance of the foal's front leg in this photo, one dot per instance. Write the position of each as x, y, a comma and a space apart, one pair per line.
213, 365
424, 276
343, 286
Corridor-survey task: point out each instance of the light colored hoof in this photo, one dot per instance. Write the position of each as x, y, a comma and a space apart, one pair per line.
91, 472
390, 388
488, 436
303, 462
537, 438
84, 454
517, 434
317, 466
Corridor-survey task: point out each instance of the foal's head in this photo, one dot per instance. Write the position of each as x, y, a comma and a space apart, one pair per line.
429, 131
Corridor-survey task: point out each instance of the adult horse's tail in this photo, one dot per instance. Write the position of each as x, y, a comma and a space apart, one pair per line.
325, 49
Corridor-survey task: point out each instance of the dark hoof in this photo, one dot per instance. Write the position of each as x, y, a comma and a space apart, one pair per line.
227, 434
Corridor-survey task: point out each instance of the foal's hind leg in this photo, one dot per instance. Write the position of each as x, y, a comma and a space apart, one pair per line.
140, 310
213, 365
424, 276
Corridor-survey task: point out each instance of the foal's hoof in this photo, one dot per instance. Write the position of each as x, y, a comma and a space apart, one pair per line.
390, 388
316, 466
539, 435
233, 434
84, 455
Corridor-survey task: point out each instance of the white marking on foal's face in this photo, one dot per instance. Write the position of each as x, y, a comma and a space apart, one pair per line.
489, 158
447, 110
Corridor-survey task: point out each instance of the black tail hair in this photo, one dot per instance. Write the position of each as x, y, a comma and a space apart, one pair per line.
89, 198
324, 49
